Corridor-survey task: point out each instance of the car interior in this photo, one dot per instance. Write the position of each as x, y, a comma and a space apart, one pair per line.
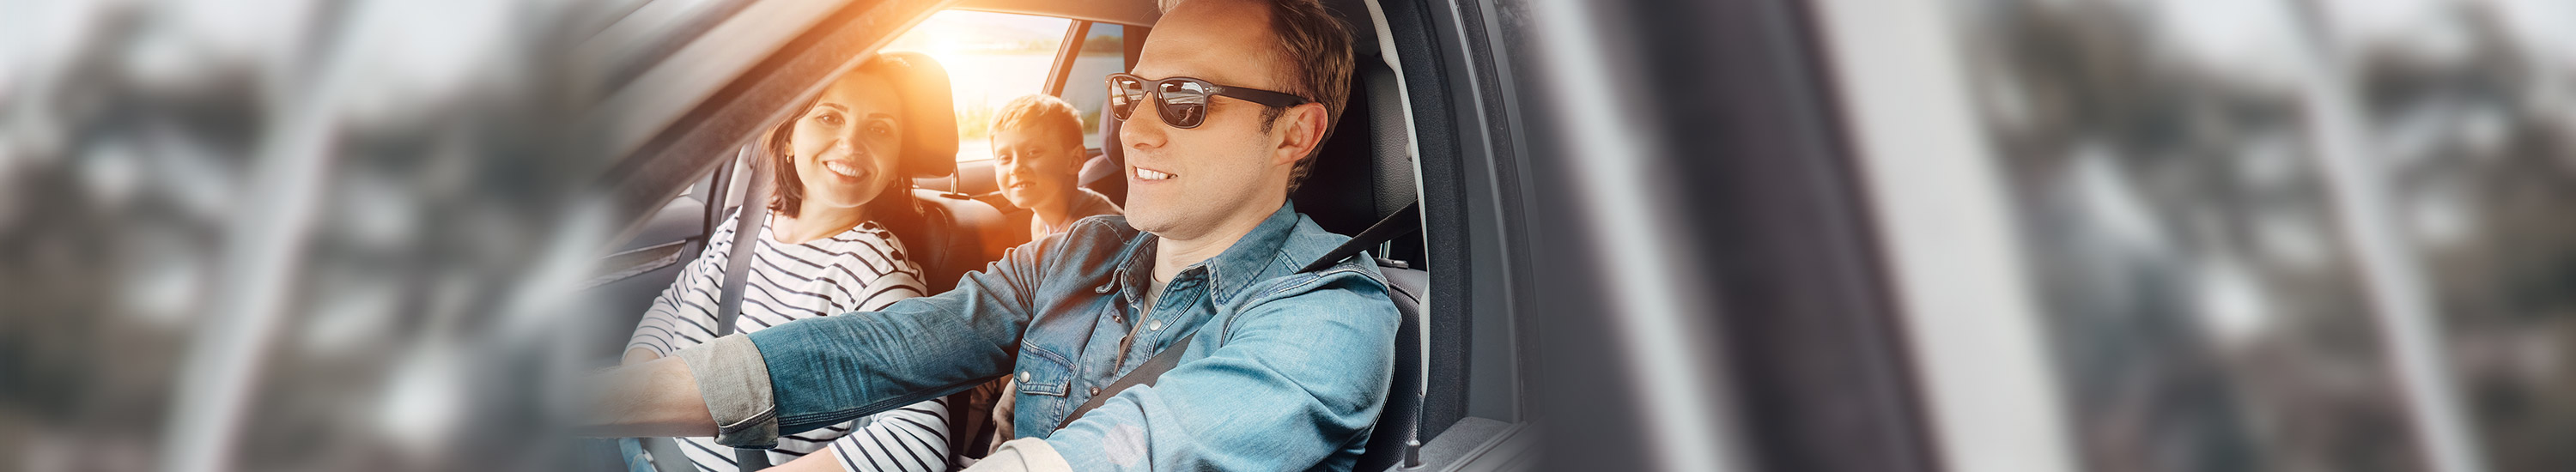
1366, 172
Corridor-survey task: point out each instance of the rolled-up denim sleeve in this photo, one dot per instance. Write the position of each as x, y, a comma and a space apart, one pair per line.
1294, 381
735, 385
826, 370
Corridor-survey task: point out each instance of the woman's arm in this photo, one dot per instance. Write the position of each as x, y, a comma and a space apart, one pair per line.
680, 316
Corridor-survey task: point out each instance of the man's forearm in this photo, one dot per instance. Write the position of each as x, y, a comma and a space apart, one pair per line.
658, 398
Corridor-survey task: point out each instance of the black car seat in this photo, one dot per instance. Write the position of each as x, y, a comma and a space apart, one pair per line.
1365, 173
1107, 173
961, 234
1401, 421
957, 227
960, 227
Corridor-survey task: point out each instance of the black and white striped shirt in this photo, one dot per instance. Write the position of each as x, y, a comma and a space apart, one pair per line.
863, 269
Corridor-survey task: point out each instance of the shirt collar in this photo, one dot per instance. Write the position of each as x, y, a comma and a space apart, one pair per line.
1231, 270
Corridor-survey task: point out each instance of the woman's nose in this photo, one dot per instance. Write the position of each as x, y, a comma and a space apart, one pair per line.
848, 144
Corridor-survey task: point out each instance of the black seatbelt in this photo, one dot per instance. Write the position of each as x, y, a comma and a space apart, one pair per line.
1404, 220
667, 456
1143, 375
747, 226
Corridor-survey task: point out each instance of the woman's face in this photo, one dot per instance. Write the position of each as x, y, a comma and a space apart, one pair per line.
847, 145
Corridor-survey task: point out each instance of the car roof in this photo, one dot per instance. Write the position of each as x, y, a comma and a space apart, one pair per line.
1129, 12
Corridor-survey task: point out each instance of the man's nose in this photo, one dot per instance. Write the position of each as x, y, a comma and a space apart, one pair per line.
1144, 128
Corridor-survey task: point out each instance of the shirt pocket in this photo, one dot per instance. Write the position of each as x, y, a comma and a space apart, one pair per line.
1043, 372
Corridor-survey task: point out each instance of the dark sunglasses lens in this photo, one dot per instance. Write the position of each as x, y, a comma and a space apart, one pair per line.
1184, 104
1124, 94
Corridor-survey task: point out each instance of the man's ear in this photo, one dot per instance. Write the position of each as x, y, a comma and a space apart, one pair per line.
1302, 131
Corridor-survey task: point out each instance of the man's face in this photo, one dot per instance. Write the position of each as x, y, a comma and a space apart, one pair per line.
1035, 166
1186, 183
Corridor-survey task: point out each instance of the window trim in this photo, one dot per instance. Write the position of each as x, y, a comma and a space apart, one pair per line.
1065, 53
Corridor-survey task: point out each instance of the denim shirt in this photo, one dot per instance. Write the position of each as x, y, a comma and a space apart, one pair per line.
1288, 370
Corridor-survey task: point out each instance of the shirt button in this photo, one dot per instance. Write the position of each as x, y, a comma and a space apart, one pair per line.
1095, 391
1024, 376
1156, 325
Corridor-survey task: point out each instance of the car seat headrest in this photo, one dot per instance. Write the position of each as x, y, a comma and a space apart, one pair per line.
1364, 170
930, 134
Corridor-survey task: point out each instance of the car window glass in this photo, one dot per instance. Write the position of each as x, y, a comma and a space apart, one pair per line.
1102, 54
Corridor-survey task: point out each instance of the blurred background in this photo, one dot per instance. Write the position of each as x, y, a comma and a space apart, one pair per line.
2239, 235
284, 235
2206, 293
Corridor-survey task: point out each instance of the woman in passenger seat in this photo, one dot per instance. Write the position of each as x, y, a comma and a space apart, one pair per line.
833, 244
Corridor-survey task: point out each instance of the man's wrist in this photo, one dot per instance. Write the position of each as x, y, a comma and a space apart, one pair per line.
650, 399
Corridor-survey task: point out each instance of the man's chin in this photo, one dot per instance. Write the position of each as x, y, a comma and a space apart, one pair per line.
1145, 223
1147, 217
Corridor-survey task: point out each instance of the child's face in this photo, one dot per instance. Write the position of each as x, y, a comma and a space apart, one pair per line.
1035, 167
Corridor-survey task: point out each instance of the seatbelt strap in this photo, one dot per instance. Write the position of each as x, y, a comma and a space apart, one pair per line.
1404, 220
667, 456
747, 226
1143, 375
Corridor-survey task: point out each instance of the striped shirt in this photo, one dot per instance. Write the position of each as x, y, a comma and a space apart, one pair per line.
863, 269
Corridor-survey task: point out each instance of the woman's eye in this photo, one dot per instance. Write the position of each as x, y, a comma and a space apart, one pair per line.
828, 118
880, 129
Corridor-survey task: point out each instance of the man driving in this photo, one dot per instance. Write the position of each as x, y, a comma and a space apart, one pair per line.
1278, 369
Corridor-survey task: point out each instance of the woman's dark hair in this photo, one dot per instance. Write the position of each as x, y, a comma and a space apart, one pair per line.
892, 208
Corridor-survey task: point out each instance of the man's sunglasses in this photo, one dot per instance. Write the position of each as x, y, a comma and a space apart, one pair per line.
1183, 101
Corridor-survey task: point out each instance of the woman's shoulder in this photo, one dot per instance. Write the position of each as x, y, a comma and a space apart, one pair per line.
876, 256
867, 232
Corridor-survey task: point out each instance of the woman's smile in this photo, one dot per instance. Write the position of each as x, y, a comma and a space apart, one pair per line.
847, 169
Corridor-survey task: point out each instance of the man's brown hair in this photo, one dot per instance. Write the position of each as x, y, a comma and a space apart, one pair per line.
1316, 47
